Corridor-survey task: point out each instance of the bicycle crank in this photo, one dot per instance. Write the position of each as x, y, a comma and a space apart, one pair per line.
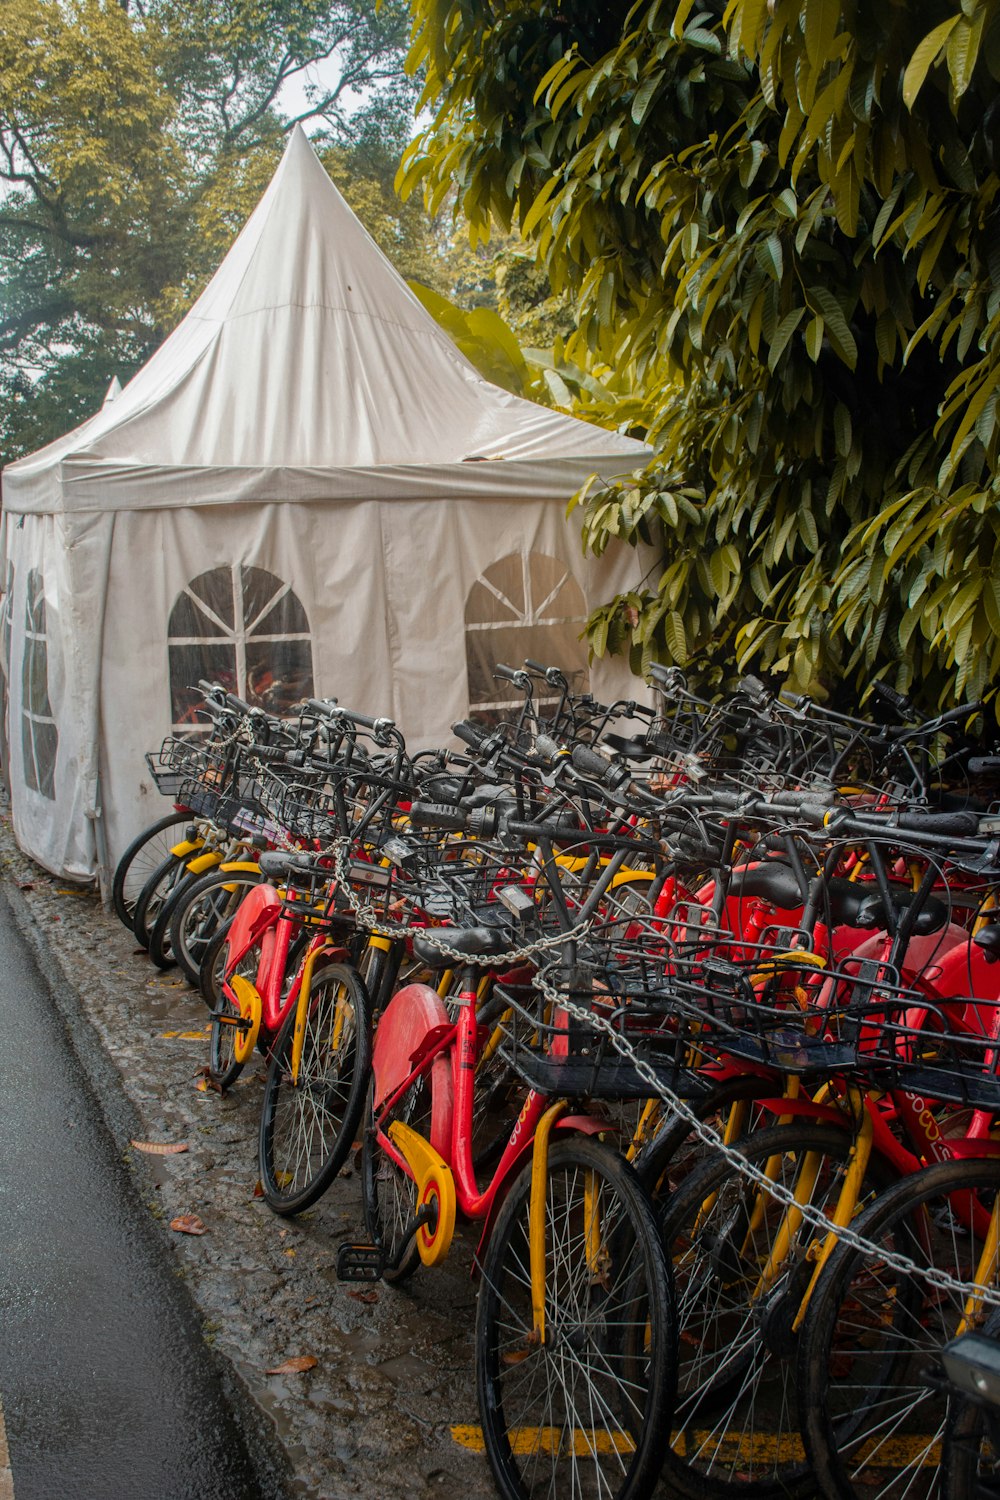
435, 1191
368, 1262
249, 1002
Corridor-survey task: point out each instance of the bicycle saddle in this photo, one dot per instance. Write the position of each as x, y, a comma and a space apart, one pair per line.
772, 880
932, 917
470, 942
988, 938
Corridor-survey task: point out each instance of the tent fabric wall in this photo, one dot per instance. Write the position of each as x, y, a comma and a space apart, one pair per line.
69, 558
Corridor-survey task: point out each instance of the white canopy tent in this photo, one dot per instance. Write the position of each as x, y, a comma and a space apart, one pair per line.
306, 489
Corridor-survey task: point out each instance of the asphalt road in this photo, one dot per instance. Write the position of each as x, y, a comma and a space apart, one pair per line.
106, 1386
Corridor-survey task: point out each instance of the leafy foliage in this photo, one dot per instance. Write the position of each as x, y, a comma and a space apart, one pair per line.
781, 219
134, 141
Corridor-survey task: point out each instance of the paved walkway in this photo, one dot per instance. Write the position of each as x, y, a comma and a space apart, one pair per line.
107, 1386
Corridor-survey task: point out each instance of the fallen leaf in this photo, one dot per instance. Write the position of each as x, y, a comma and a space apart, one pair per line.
188, 1224
294, 1366
258, 1189
185, 1036
369, 1297
160, 1148
202, 1087
289, 1252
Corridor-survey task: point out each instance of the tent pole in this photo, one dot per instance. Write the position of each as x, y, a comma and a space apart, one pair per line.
96, 816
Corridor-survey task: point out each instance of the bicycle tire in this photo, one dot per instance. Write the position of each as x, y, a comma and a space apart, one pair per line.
156, 890
307, 1128
158, 946
676, 1149
736, 1417
213, 967
584, 1412
872, 1335
143, 856
197, 912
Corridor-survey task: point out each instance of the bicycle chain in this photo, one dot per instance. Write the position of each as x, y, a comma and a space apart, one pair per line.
709, 1137
368, 918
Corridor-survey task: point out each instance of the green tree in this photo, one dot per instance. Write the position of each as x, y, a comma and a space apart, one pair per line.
779, 222
134, 141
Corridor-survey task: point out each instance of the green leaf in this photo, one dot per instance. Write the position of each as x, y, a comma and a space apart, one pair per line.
825, 303
814, 338
785, 329
923, 59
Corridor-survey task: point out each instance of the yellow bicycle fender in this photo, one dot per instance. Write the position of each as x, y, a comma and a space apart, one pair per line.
301, 1009
239, 866
435, 1184
204, 862
186, 847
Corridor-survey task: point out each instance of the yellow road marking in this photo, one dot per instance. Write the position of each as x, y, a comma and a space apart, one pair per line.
548, 1440
760, 1448
6, 1477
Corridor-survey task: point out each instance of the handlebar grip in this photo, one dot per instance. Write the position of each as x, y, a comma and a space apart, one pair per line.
271, 753
470, 734
955, 715
535, 666
608, 773
365, 721
589, 762
240, 706
953, 824
668, 677
510, 674
978, 764
437, 815
556, 829
321, 706
894, 699
546, 748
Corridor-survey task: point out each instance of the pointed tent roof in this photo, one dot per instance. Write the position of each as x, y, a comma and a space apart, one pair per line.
306, 352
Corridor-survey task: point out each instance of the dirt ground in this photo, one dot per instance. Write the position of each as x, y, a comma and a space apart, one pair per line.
394, 1368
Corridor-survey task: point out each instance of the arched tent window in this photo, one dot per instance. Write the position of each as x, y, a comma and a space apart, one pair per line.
243, 627
526, 605
39, 736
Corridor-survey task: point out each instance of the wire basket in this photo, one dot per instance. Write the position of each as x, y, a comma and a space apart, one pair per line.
941, 1052
174, 763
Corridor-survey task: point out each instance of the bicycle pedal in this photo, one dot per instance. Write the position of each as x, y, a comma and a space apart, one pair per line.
360, 1263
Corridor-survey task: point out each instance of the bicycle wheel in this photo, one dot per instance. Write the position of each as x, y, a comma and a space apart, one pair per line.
308, 1126
141, 859
389, 1195
198, 913
158, 889
213, 966
872, 1420
158, 945
676, 1149
741, 1268
583, 1412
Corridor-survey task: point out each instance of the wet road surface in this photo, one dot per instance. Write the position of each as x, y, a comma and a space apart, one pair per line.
106, 1386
